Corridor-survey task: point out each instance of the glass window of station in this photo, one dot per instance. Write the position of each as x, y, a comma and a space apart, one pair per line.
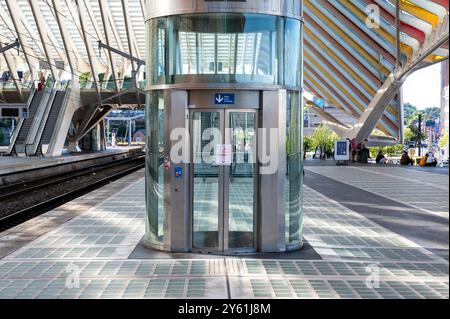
225, 48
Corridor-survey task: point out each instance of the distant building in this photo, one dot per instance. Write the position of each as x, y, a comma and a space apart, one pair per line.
431, 129
139, 136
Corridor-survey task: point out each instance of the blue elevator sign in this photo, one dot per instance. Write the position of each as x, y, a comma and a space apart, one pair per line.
224, 98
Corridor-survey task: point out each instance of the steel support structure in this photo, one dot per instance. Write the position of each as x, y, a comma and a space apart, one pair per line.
371, 116
12, 68
43, 35
103, 7
15, 13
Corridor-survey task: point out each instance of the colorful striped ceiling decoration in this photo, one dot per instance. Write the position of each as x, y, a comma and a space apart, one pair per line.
347, 59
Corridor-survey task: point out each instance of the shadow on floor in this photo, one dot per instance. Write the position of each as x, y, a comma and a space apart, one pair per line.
427, 230
306, 253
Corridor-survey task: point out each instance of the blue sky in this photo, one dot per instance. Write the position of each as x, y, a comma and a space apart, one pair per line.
423, 87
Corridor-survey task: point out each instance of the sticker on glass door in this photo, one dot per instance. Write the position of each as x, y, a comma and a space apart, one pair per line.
223, 154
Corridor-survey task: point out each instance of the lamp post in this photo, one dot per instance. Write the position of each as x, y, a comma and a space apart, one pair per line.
420, 134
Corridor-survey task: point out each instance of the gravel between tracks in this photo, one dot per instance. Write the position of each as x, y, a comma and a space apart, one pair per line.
33, 198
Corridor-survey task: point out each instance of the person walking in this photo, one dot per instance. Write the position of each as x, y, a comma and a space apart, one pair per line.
41, 83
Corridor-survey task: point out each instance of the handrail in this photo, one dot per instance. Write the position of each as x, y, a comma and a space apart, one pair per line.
43, 120
59, 118
10, 83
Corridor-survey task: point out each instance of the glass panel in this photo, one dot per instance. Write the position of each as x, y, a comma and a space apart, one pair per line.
294, 169
205, 135
155, 167
241, 199
226, 47
293, 60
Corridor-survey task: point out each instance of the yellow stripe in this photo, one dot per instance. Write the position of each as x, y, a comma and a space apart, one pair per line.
349, 40
336, 83
338, 105
407, 50
347, 69
331, 99
341, 62
420, 13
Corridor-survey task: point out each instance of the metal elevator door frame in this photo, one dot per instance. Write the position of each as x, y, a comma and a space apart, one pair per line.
223, 183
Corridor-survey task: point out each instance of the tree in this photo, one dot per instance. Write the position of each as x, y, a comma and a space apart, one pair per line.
409, 112
324, 139
394, 150
307, 144
408, 135
416, 136
1, 136
84, 78
432, 113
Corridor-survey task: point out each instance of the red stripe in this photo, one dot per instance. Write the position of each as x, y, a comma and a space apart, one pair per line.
404, 27
443, 3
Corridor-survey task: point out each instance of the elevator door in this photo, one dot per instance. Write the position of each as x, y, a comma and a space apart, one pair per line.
223, 180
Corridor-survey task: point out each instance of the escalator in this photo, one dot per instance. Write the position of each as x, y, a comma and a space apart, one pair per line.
51, 123
19, 138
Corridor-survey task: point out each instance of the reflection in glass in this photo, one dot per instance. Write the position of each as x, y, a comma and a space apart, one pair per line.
294, 169
225, 47
242, 181
205, 219
155, 167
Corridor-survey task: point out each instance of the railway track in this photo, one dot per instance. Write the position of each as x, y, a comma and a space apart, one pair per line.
22, 201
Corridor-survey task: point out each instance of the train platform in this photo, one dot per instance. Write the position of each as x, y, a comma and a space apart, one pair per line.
371, 232
18, 169
13, 164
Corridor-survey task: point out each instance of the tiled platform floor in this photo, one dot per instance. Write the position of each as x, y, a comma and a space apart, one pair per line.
87, 256
421, 189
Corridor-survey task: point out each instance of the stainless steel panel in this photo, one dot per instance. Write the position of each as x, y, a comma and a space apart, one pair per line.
176, 221
288, 8
195, 85
272, 210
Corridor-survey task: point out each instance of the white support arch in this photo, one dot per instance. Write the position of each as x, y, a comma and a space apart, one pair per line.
394, 82
14, 14
44, 36
103, 5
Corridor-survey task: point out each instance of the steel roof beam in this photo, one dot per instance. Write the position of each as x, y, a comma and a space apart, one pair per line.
10, 46
14, 14
12, 67
117, 38
89, 49
103, 7
43, 34
392, 85
131, 41
67, 41
72, 8
99, 35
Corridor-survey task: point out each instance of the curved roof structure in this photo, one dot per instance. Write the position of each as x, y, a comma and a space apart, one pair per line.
350, 47
351, 51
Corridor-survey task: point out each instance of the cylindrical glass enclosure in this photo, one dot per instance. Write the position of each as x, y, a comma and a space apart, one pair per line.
225, 48
224, 165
